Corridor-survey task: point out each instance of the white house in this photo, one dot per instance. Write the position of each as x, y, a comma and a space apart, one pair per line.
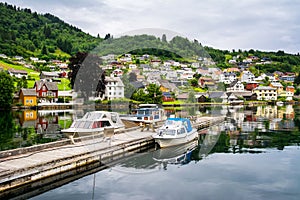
227, 77
187, 75
235, 86
114, 88
17, 73
117, 72
247, 77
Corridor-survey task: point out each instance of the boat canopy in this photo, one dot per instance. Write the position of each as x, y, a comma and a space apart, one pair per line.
184, 121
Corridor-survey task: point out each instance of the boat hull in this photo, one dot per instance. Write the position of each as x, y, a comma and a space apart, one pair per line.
164, 141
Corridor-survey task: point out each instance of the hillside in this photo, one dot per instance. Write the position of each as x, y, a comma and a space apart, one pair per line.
27, 33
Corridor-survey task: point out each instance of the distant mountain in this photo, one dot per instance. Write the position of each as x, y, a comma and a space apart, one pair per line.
27, 33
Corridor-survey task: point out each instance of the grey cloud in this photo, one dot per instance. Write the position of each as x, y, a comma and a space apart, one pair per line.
226, 24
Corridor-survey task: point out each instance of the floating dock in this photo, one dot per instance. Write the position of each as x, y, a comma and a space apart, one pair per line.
28, 165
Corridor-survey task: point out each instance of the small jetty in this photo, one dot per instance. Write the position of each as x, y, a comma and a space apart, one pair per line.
29, 165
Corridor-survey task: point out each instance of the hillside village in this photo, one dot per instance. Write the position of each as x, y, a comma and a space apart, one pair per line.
200, 81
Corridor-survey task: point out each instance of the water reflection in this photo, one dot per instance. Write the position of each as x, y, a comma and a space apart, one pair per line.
29, 127
228, 157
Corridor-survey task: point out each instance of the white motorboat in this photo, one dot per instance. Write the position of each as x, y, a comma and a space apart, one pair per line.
175, 131
94, 123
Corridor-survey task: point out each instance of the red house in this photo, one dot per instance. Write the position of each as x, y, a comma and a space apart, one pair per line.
46, 91
252, 85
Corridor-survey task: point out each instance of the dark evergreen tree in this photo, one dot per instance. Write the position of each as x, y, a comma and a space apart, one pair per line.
6, 90
86, 76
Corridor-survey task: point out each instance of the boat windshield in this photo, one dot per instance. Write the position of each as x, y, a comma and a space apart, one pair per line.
170, 132
92, 116
143, 112
82, 124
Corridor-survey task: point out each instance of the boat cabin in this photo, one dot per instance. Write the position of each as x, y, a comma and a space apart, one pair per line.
149, 113
176, 126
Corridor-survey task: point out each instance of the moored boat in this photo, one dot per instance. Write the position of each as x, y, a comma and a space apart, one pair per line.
146, 113
94, 123
175, 131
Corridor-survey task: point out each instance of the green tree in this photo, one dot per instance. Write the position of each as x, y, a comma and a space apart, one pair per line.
297, 80
139, 95
191, 97
6, 90
164, 38
193, 82
129, 89
154, 95
86, 76
7, 130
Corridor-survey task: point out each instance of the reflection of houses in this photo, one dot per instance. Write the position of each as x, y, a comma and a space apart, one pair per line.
269, 112
46, 90
249, 127
28, 97
47, 124
28, 118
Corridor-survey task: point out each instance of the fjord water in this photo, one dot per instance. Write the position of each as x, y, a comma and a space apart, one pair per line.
254, 154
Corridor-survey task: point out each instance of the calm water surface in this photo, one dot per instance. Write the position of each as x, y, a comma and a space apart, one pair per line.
253, 155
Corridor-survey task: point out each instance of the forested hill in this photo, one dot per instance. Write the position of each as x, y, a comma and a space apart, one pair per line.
27, 33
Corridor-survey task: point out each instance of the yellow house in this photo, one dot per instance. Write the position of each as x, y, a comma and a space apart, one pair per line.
28, 97
278, 86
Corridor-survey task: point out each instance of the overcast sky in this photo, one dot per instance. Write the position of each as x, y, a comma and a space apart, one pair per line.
225, 24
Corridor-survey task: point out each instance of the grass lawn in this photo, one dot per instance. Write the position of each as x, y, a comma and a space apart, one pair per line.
174, 102
64, 84
65, 123
6, 66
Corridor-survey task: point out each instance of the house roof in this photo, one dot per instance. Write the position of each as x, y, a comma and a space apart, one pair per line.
264, 88
138, 84
49, 85
216, 94
28, 92
183, 96
243, 94
167, 84
233, 83
51, 74
114, 79
276, 84
14, 71
166, 94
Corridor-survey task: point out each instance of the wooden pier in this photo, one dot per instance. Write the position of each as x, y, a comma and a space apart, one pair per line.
31, 164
